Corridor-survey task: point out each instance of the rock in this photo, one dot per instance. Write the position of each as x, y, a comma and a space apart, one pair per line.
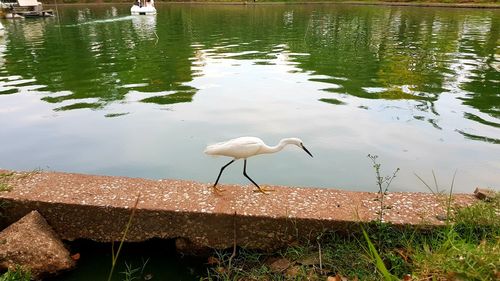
31, 243
187, 247
484, 194
309, 260
337, 278
293, 272
279, 265
442, 217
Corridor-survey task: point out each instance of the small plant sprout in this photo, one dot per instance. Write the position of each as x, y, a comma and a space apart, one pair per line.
440, 192
115, 255
4, 181
131, 273
16, 274
383, 183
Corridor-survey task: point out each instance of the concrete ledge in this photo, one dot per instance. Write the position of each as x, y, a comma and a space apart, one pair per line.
98, 208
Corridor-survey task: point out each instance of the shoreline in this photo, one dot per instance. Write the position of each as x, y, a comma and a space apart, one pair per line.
490, 5
80, 206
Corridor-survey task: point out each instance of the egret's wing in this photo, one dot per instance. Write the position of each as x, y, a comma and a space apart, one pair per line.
243, 147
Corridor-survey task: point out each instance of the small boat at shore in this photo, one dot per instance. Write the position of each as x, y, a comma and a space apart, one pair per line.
2, 30
12, 9
143, 7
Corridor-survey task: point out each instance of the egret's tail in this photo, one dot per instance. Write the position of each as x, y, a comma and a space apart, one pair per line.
210, 150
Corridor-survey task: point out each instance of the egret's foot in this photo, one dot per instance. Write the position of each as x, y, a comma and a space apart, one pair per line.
264, 190
217, 190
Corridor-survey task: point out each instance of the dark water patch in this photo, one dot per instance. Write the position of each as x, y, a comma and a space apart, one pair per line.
58, 99
150, 260
9, 91
333, 101
476, 118
264, 63
179, 97
434, 123
79, 105
478, 137
112, 115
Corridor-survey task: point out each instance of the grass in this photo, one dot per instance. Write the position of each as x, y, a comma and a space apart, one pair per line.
4, 181
135, 273
115, 255
17, 274
6, 178
467, 247
340, 254
383, 184
454, 257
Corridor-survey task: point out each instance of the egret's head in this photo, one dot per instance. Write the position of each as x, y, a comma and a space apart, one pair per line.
297, 142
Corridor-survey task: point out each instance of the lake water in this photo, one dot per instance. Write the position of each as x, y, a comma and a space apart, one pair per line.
98, 91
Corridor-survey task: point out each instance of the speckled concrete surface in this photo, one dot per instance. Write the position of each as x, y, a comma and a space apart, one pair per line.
98, 208
31, 243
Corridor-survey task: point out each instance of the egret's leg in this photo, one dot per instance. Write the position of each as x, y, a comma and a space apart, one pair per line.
245, 173
220, 173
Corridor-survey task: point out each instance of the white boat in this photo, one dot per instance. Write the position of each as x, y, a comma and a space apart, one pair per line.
143, 7
2, 30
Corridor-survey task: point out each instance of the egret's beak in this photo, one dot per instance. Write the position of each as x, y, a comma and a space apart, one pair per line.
305, 149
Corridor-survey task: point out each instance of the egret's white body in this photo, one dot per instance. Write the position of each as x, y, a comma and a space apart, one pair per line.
245, 147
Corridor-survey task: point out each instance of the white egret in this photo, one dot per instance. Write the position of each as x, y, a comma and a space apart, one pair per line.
244, 147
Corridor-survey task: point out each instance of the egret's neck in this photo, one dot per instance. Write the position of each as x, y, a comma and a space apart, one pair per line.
276, 148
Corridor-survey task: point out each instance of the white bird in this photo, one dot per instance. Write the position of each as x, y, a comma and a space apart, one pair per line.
244, 147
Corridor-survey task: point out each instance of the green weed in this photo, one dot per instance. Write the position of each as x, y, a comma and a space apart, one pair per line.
453, 257
383, 184
467, 247
377, 260
480, 221
4, 181
17, 274
115, 255
7, 178
134, 273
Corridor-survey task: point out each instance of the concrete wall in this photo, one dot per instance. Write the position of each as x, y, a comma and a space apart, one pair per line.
99, 207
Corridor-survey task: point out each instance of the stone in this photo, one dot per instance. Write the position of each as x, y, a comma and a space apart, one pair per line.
484, 194
187, 247
337, 278
33, 244
442, 217
293, 272
309, 260
279, 265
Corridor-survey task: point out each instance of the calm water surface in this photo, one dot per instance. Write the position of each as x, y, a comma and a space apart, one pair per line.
98, 91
